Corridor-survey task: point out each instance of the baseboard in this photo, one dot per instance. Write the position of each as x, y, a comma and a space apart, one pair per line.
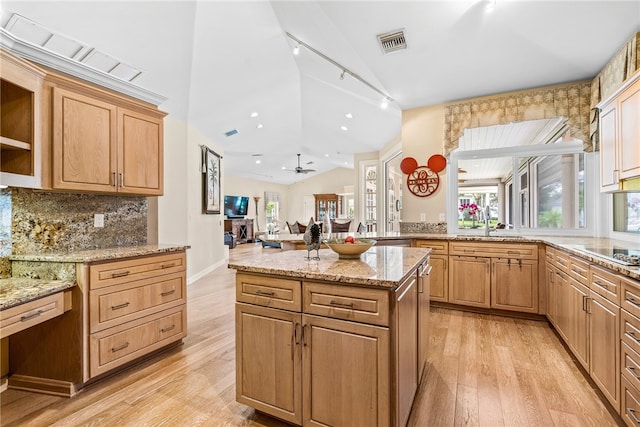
202, 273
42, 385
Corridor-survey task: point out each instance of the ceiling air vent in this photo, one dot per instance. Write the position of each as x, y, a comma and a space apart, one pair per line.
231, 132
392, 41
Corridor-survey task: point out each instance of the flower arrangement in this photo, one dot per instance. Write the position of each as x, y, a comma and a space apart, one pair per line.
469, 211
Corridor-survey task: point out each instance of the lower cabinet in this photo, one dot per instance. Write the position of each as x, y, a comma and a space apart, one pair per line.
121, 310
604, 346
514, 284
339, 356
470, 281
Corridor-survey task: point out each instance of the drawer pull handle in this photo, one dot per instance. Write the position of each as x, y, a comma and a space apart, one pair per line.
120, 274
633, 370
164, 294
469, 250
602, 285
265, 293
173, 264
31, 316
633, 335
513, 252
633, 301
340, 304
119, 306
120, 347
632, 413
168, 328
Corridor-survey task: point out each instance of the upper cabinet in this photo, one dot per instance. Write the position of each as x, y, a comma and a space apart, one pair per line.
20, 139
620, 136
102, 142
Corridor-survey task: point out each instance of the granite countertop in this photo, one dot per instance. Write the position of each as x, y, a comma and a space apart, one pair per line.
102, 254
573, 245
16, 291
384, 267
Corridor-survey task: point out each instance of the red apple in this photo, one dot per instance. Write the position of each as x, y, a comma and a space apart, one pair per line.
349, 239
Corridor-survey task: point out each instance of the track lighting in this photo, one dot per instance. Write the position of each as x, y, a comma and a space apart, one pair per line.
345, 70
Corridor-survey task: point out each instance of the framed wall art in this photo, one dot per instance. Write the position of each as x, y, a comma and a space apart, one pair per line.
211, 175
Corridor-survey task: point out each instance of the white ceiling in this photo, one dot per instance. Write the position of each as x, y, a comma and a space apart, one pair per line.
218, 61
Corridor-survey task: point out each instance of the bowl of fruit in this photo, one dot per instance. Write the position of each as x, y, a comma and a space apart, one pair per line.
350, 247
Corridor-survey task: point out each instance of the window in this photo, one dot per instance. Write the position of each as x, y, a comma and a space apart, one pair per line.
549, 192
626, 212
370, 195
272, 211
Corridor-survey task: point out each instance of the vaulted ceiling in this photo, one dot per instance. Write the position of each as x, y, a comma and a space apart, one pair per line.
219, 61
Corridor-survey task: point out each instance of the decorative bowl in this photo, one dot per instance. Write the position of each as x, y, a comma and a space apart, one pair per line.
350, 250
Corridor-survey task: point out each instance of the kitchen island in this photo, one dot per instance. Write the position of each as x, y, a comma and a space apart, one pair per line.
330, 341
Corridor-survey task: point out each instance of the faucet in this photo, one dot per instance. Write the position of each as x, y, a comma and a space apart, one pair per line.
487, 215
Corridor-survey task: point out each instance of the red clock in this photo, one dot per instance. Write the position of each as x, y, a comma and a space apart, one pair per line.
423, 182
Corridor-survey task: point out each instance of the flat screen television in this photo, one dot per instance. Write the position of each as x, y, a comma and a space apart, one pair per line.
236, 206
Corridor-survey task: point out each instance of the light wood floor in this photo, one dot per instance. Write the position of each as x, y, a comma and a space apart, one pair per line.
484, 370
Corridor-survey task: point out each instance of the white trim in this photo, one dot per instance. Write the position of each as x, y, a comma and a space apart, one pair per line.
202, 273
58, 62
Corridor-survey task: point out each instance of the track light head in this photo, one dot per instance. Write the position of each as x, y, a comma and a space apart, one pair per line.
342, 74
296, 50
384, 103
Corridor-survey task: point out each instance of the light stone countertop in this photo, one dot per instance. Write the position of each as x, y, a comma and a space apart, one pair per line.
16, 291
573, 245
385, 266
101, 254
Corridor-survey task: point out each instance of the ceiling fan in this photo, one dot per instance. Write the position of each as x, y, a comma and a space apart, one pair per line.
300, 169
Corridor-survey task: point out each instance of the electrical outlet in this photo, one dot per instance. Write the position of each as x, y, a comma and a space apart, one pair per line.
98, 220
423, 217
441, 216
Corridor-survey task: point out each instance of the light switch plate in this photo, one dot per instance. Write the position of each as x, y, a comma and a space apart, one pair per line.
423, 217
98, 220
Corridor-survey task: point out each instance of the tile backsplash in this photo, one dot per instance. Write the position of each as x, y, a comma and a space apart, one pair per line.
35, 222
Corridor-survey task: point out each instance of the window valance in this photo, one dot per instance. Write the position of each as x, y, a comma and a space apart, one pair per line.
572, 101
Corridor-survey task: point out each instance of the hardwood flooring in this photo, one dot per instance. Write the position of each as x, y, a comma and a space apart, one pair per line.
483, 371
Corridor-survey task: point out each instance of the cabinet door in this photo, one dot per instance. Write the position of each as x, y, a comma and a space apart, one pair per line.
84, 143
424, 284
608, 128
469, 281
346, 373
514, 284
439, 283
578, 326
561, 284
140, 153
629, 142
406, 349
268, 361
604, 349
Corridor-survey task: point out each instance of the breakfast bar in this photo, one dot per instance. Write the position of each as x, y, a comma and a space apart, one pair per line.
338, 342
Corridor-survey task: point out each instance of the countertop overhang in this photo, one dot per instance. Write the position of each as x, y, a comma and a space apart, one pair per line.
384, 267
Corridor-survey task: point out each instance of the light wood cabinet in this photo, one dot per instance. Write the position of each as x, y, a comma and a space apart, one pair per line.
619, 130
102, 142
121, 310
424, 283
470, 281
439, 276
604, 347
314, 353
514, 284
20, 118
268, 361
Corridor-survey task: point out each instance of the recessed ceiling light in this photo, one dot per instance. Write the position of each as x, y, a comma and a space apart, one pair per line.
284, 168
254, 114
326, 155
258, 161
344, 128
260, 126
349, 116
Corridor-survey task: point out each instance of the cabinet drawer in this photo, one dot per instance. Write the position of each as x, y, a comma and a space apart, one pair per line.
112, 305
630, 403
522, 251
438, 247
347, 302
630, 365
269, 291
114, 273
562, 261
121, 344
579, 270
605, 283
16, 319
550, 254
630, 296
630, 330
